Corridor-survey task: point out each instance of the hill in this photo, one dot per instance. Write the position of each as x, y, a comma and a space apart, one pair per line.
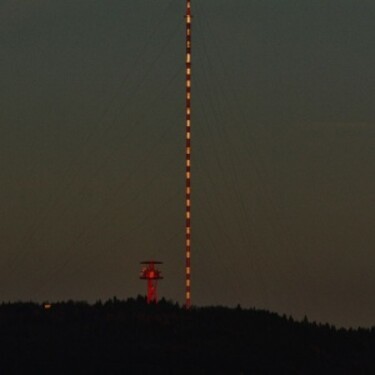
131, 337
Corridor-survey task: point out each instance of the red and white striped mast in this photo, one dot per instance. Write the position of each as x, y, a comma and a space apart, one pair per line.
188, 155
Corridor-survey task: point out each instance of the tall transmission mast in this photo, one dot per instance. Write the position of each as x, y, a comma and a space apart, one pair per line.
188, 155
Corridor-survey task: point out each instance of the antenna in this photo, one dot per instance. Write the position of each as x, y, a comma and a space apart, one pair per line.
188, 154
152, 275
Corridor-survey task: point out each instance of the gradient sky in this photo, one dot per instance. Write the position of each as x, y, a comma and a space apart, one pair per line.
92, 152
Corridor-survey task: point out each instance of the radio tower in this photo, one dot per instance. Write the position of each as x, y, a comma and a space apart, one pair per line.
188, 154
152, 275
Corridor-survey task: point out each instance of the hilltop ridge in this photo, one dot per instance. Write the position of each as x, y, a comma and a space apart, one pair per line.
132, 337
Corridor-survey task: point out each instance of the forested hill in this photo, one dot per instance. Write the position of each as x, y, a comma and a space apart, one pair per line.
131, 337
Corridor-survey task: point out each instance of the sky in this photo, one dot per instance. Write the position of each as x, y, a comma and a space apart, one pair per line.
283, 152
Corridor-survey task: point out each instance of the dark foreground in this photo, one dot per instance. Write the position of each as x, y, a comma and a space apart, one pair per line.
131, 337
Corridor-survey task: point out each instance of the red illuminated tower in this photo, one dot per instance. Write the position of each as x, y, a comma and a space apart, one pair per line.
152, 275
188, 156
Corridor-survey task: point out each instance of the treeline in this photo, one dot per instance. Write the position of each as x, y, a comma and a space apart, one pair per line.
131, 337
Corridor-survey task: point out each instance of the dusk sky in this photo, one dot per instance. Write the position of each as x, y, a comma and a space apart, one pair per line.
283, 148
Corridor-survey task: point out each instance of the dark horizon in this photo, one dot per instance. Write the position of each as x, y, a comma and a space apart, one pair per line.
134, 337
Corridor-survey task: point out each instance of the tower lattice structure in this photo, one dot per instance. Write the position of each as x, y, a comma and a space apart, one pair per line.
188, 158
